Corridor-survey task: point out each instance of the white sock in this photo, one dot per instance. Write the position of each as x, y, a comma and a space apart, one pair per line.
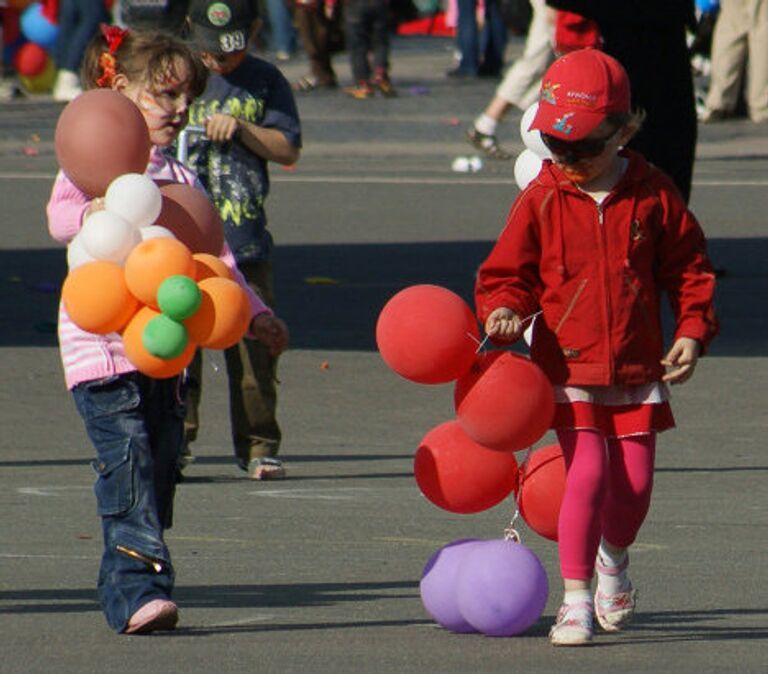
608, 584
577, 596
487, 125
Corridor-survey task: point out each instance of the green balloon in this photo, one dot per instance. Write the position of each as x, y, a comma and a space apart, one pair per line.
178, 297
164, 338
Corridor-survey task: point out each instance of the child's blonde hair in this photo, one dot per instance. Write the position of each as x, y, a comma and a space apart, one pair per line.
149, 56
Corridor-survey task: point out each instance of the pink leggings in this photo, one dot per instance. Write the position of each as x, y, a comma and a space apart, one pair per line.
607, 493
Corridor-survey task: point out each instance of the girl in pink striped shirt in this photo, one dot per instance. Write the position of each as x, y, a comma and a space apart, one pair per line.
136, 422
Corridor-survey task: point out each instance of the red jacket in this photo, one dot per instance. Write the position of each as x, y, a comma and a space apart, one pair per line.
597, 273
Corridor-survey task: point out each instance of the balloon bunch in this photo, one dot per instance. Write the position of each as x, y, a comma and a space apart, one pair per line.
497, 587
528, 162
130, 275
30, 51
504, 402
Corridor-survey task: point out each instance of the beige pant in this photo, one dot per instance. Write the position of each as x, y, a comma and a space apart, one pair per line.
520, 85
740, 37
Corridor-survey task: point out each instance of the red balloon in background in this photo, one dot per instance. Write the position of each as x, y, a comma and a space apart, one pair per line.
542, 485
427, 334
30, 59
192, 217
99, 136
504, 401
458, 475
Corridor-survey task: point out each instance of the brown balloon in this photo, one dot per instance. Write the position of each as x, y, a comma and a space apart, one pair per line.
99, 136
192, 217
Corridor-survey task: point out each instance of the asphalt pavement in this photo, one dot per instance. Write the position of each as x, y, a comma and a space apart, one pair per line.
320, 572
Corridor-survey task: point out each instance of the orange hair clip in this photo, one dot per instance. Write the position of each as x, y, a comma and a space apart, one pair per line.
113, 35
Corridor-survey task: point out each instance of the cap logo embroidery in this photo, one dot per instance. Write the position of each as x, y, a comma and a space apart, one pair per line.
581, 99
219, 14
548, 93
561, 123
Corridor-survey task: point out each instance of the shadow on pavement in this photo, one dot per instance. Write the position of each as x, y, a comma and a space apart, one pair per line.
331, 295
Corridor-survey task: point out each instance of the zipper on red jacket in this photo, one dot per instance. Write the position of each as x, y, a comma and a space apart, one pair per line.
606, 287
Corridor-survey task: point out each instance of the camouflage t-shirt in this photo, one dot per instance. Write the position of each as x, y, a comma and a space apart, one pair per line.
236, 179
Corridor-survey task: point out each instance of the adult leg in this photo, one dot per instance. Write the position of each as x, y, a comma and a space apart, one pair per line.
757, 75
493, 40
313, 32
467, 39
356, 21
194, 392
380, 37
729, 53
281, 32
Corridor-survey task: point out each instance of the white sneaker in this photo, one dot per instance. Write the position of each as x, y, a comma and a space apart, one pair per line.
67, 86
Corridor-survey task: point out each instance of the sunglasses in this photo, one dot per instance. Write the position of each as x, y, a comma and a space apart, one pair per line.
572, 151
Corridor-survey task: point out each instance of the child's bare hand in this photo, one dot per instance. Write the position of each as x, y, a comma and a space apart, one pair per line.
504, 324
95, 206
682, 358
220, 127
272, 331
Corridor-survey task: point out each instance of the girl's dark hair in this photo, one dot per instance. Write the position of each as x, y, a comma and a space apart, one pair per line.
149, 56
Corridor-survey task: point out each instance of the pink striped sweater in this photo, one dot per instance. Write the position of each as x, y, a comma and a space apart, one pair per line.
84, 355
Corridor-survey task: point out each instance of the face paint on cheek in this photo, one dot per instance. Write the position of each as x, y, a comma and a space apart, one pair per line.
153, 113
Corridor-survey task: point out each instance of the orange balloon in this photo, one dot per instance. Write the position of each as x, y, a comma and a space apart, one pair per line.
192, 217
207, 266
99, 136
145, 362
153, 261
97, 298
224, 314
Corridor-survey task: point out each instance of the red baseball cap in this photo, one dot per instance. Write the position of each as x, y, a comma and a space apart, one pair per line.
578, 91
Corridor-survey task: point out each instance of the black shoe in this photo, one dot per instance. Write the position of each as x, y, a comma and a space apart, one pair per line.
487, 144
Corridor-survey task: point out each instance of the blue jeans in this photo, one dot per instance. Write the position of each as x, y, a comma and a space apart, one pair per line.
481, 51
282, 36
136, 425
78, 22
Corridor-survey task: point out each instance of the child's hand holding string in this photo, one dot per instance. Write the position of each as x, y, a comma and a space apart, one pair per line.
682, 358
272, 331
504, 324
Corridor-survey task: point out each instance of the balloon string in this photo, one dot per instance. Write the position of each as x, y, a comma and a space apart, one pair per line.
510, 533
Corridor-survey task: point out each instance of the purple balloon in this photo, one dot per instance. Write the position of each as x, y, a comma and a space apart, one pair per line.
438, 585
501, 588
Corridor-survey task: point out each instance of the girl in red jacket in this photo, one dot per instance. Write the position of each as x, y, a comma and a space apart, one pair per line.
591, 243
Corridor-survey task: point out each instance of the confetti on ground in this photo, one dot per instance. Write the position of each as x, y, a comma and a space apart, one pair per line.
418, 91
325, 365
454, 121
321, 281
30, 151
35, 138
290, 167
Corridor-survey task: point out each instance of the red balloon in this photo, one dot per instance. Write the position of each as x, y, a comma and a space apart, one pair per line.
192, 217
504, 401
458, 475
99, 136
30, 59
542, 485
427, 334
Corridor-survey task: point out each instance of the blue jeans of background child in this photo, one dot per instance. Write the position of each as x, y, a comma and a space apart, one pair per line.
78, 22
482, 52
136, 425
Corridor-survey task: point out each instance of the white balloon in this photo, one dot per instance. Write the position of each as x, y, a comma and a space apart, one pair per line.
77, 255
107, 236
134, 197
527, 167
532, 139
156, 232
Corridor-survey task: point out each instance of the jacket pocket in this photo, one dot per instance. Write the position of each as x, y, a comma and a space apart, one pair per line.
114, 488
